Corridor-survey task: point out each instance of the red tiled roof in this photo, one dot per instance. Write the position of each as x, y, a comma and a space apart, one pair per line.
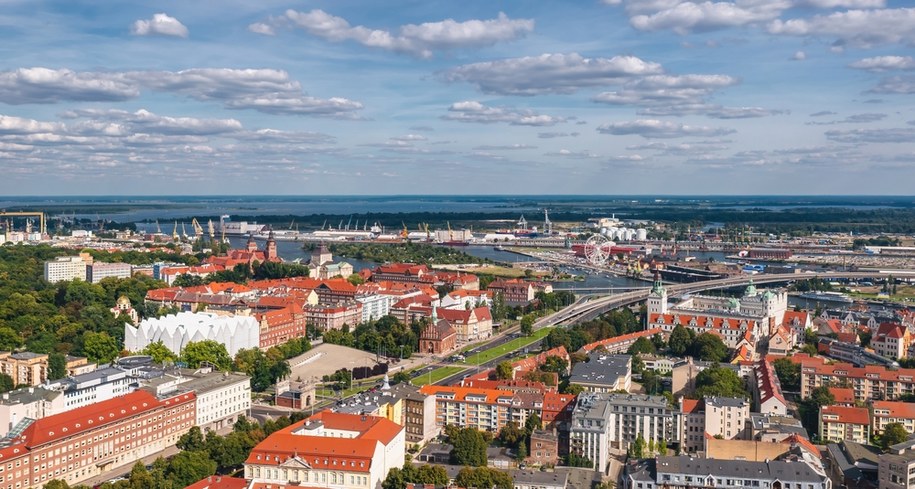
897, 409
66, 424
325, 452
847, 415
890, 330
790, 316
843, 395
693, 406
461, 393
621, 339
219, 482
717, 323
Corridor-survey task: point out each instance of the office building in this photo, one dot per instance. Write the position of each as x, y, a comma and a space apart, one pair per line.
65, 268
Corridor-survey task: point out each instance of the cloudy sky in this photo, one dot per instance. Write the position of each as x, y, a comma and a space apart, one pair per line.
446, 97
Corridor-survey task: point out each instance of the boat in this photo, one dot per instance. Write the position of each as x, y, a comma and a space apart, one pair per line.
827, 297
454, 243
499, 248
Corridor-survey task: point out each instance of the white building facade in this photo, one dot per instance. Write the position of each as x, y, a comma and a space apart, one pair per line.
175, 331
65, 268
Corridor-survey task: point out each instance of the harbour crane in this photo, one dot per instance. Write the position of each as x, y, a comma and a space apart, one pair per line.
175, 231
211, 230
198, 229
158, 229
183, 232
404, 234
428, 235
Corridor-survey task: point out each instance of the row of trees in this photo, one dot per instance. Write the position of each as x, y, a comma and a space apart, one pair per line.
386, 335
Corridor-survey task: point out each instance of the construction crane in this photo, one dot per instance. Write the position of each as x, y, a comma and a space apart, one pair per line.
175, 231
158, 229
198, 229
211, 229
183, 232
426, 228
404, 234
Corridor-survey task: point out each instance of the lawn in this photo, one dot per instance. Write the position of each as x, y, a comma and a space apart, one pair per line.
515, 344
437, 375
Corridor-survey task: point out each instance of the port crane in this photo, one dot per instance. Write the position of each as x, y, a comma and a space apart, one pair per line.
211, 230
175, 232
198, 229
404, 234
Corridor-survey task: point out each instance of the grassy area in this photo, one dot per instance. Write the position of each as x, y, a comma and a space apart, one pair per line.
437, 375
501, 271
515, 344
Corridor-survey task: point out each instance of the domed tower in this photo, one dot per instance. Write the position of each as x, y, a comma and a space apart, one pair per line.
657, 299
270, 250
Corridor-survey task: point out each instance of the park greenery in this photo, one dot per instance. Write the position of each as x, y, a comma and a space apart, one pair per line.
809, 408
614, 323
404, 253
788, 373
718, 381
384, 336
468, 446
398, 478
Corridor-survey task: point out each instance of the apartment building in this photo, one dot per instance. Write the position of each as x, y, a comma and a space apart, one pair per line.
838, 423
726, 417
480, 408
25, 368
632, 415
28, 403
589, 431
603, 372
896, 467
868, 382
892, 341
886, 412
684, 471
65, 268
98, 271
222, 397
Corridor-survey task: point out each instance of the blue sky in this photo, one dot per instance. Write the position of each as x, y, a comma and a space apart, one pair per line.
471, 97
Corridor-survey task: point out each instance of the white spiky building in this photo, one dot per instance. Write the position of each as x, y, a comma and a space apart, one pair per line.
177, 330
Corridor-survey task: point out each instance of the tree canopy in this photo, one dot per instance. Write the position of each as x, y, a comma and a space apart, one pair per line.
718, 381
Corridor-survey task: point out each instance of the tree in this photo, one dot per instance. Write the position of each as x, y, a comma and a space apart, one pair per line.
483, 477
56, 484
100, 347
510, 435
185, 468
718, 381
140, 478
680, 340
809, 409
431, 474
6, 383
57, 366
159, 352
210, 351
709, 347
575, 460
554, 363
469, 448
788, 373
395, 479
637, 449
893, 433
192, 440
504, 370
533, 423
527, 325
522, 450
642, 345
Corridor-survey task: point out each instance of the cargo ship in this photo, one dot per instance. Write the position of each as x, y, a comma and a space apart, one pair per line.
827, 297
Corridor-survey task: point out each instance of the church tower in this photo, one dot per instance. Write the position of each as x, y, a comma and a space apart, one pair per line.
657, 299
270, 249
251, 247
321, 255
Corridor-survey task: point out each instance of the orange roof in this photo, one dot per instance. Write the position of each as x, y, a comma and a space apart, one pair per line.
466, 394
896, 409
843, 395
328, 452
621, 339
803, 442
717, 323
847, 415
791, 316
70, 423
219, 482
693, 406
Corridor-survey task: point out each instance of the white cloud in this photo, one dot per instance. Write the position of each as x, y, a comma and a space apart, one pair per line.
828, 4
160, 25
503, 147
552, 135
903, 85
653, 128
417, 39
799, 56
549, 73
686, 17
892, 135
410, 137
19, 125
853, 119
44, 85
885, 63
473, 111
862, 28
265, 90
262, 28
666, 90
578, 155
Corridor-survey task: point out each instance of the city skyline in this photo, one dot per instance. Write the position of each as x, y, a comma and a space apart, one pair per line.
594, 97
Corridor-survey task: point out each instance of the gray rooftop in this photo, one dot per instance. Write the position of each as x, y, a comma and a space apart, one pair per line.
742, 469
538, 478
601, 369
28, 395
27, 355
726, 402
638, 400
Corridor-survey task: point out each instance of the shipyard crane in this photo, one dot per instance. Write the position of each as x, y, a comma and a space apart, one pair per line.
158, 229
450, 233
426, 227
175, 231
198, 229
183, 232
211, 230
404, 234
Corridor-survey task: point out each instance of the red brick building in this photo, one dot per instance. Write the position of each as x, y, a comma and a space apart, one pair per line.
438, 339
335, 291
282, 325
91, 440
514, 292
402, 272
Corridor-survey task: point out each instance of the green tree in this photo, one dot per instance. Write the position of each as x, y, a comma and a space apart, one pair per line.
483, 477
9, 339
56, 484
159, 352
504, 370
522, 450
642, 345
140, 478
893, 433
431, 474
210, 351
788, 373
510, 435
809, 408
638, 447
6, 383
186, 468
527, 325
100, 347
395, 479
709, 347
576, 460
680, 340
555, 363
57, 366
718, 381
192, 440
532, 423
469, 448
